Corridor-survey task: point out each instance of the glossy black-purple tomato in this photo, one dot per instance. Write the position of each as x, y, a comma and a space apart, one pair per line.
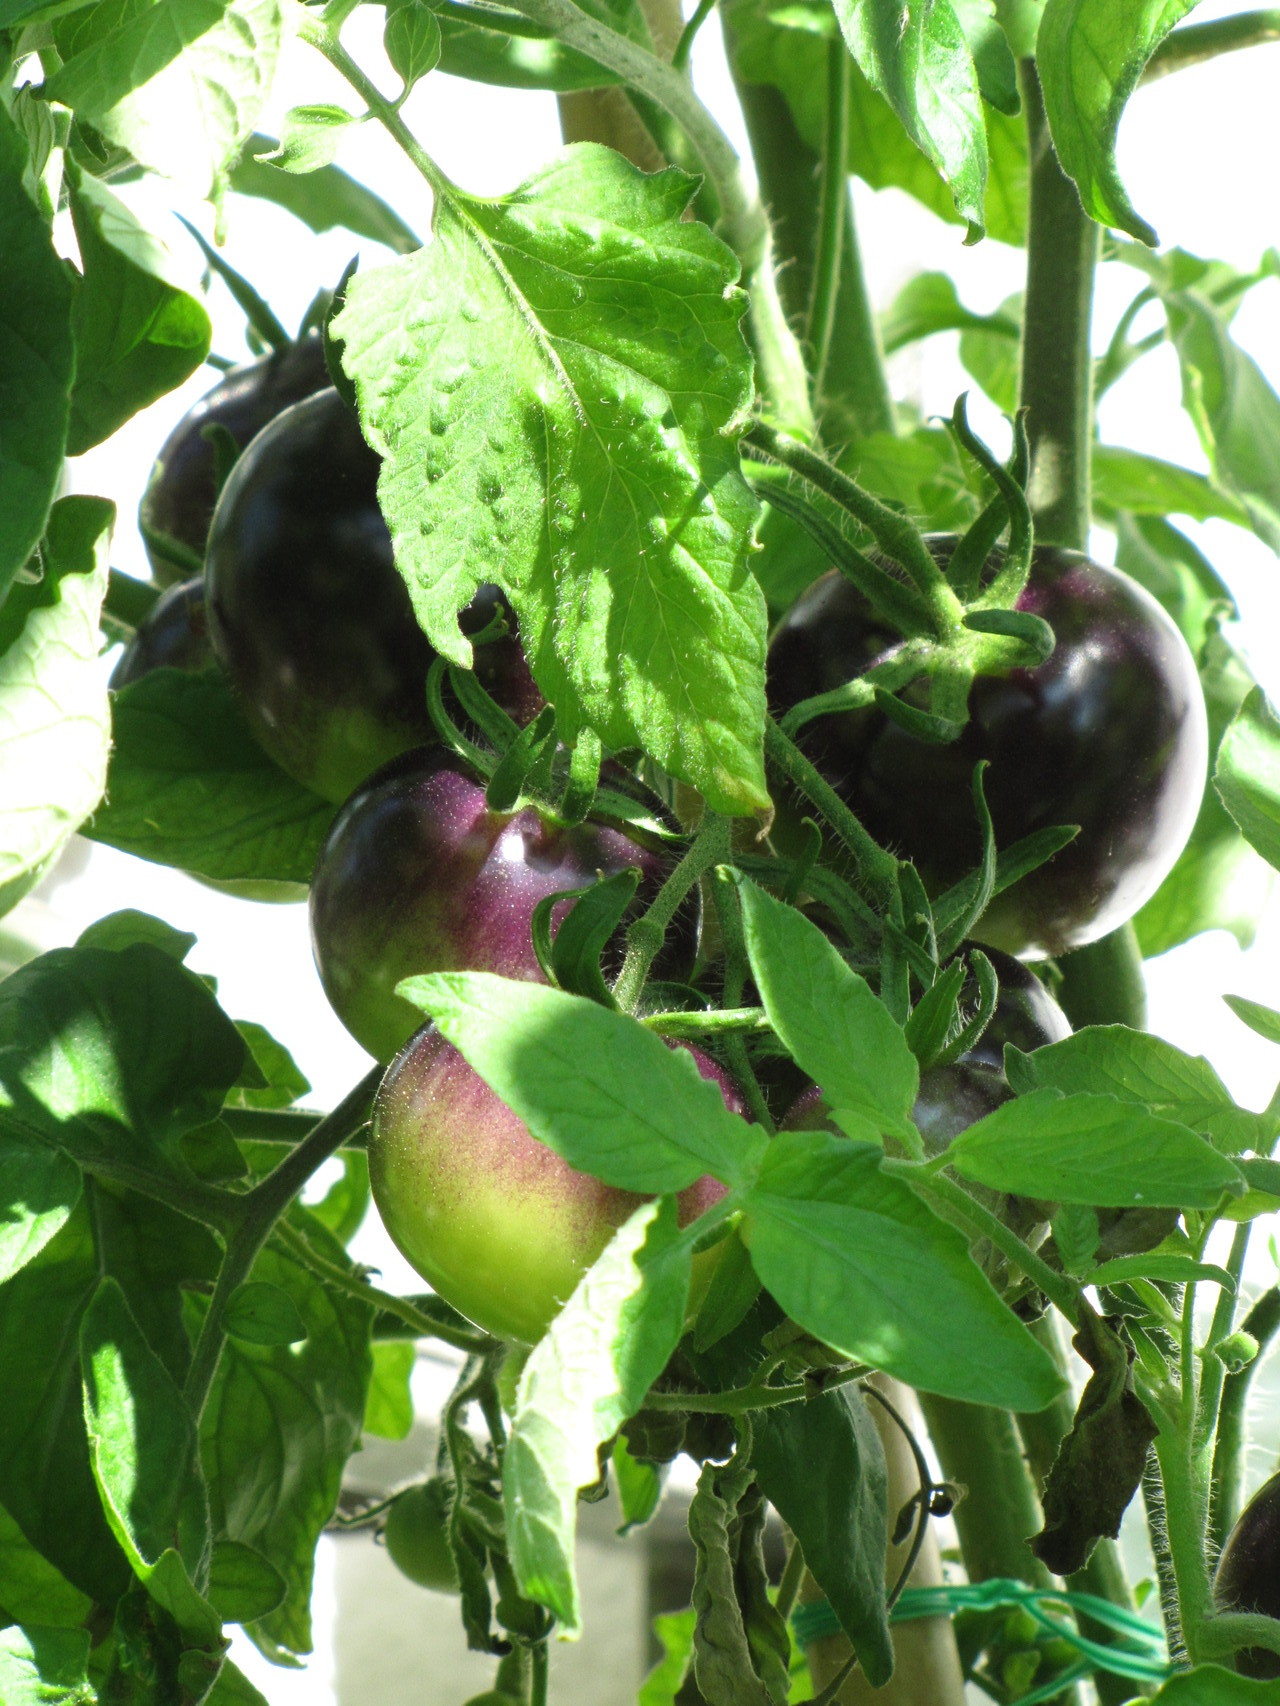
1110, 733
496, 1222
418, 875
308, 616
183, 485
953, 1097
174, 634
1248, 1576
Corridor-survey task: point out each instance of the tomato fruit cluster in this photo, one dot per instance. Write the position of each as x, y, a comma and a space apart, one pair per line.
495, 1221
1109, 733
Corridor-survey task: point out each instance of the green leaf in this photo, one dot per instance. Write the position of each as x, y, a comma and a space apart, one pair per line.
412, 40
39, 1187
526, 61
601, 1090
1140, 1068
177, 83
1247, 775
553, 382
388, 1410
992, 58
138, 332
126, 928
188, 785
45, 1667
32, 1591
243, 1585
1144, 485
46, 1481
1265, 1021
233, 1688
928, 303
54, 720
589, 1375
991, 357
1161, 557
26, 11
261, 1314
849, 1252
324, 200
142, 1446
639, 1486
919, 60
836, 1030
37, 362
310, 138
1210, 1685
112, 1056
821, 1465
280, 1423
1092, 1149
1090, 55
782, 43
278, 1081
1234, 409
674, 1629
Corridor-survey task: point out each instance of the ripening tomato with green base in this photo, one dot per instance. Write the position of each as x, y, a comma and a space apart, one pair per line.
496, 1222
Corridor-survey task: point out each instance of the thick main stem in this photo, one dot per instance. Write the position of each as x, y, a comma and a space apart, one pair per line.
1057, 362
979, 1448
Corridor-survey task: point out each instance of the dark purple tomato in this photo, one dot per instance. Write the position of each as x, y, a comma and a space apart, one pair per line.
1248, 1577
951, 1098
418, 875
496, 1223
1109, 733
174, 634
308, 616
182, 488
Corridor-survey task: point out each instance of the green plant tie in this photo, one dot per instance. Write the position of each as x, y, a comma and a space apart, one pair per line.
1138, 1654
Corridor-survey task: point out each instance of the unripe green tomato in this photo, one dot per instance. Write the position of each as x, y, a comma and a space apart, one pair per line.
416, 1536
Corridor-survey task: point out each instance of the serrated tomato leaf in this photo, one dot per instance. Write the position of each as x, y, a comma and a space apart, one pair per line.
1247, 775
836, 1029
553, 383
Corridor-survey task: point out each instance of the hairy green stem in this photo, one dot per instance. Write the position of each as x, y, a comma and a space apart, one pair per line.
856, 399
260, 1209
1213, 1373
1262, 1321
877, 868
741, 1400
1102, 983
789, 1583
967, 1211
684, 47
645, 937
831, 223
895, 533
350, 1283
1194, 43
728, 905
1185, 1523
713, 1022
1057, 362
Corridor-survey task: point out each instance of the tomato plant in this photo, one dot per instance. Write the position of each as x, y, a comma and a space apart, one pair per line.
661, 708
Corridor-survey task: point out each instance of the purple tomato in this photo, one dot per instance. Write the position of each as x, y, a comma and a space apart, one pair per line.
418, 875
308, 616
182, 488
1110, 733
1248, 1576
496, 1223
174, 634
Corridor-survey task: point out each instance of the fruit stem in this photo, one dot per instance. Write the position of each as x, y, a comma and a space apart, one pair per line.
896, 534
831, 222
645, 937
1057, 361
259, 1210
402, 1308
877, 868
